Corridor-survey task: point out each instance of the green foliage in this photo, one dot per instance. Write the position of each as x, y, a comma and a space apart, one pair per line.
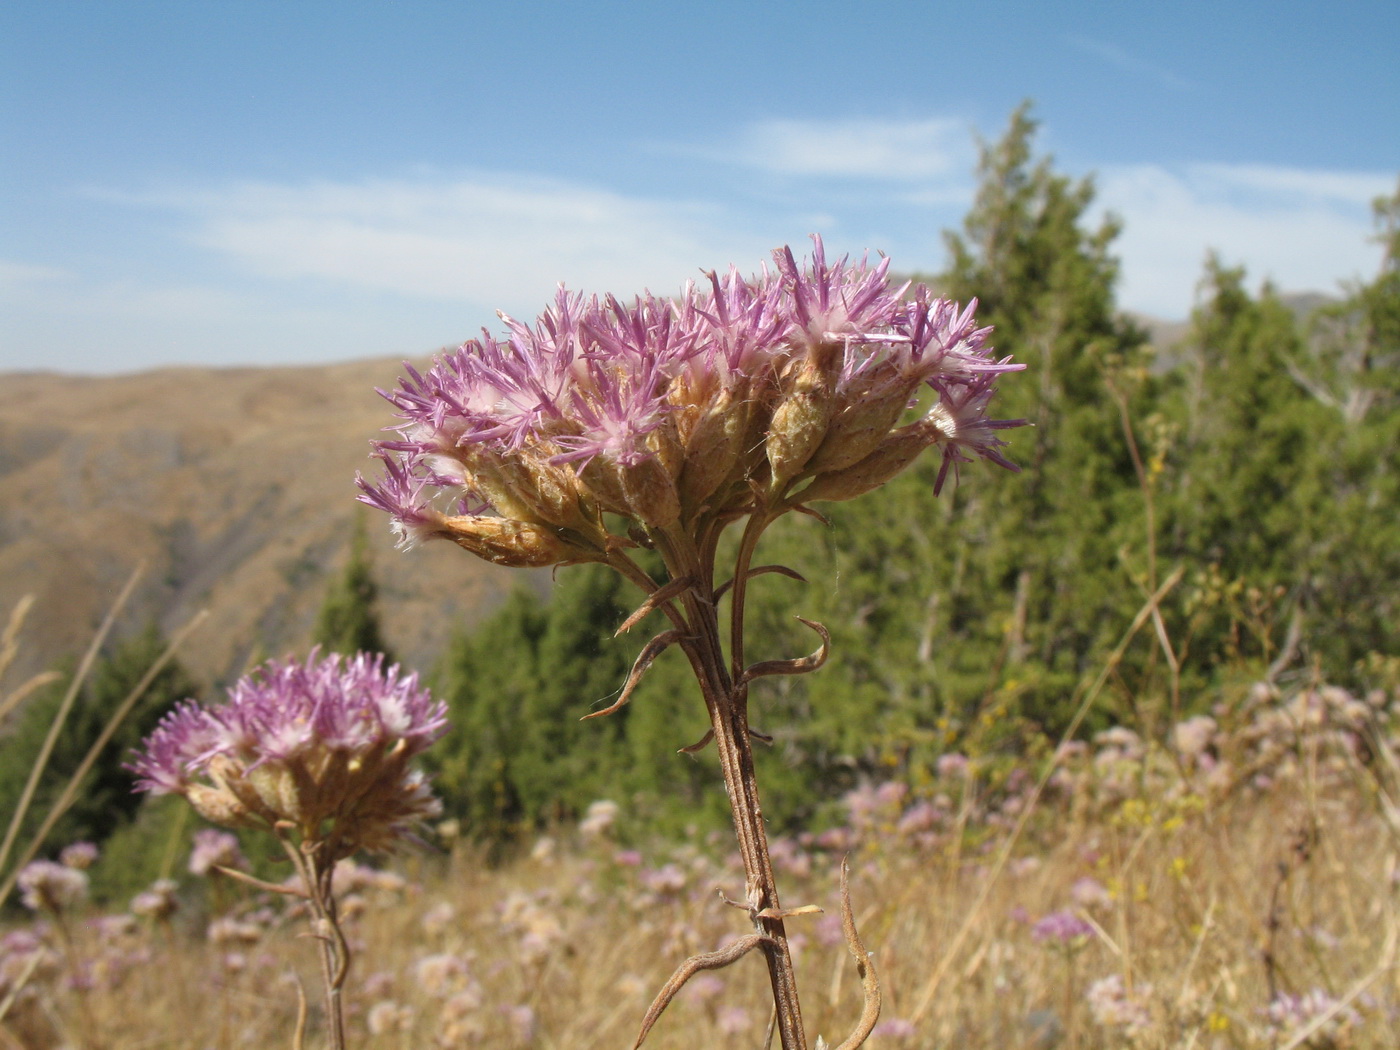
521, 756
105, 800
138, 852
348, 621
976, 614
517, 754
1350, 594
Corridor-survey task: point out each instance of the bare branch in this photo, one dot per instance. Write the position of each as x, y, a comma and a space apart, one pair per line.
299, 1034
260, 884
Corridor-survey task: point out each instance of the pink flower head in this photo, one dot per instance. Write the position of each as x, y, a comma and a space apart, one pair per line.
80, 855
799, 384
48, 886
1062, 927
327, 741
215, 849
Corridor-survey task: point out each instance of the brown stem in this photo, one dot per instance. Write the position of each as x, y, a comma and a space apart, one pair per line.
695, 614
315, 863
736, 759
729, 721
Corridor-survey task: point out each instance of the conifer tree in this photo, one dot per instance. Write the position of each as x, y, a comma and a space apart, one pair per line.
995, 603
1047, 285
1351, 366
1286, 483
348, 621
518, 686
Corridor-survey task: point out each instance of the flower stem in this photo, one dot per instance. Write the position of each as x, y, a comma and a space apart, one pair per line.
727, 703
730, 724
315, 863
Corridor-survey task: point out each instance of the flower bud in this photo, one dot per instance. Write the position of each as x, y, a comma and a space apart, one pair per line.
797, 431
276, 786
515, 544
713, 447
860, 424
650, 493
525, 486
800, 419
895, 453
219, 806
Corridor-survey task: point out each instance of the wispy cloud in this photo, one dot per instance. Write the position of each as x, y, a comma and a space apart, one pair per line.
1301, 229
1129, 63
18, 274
482, 239
319, 270
1300, 186
880, 150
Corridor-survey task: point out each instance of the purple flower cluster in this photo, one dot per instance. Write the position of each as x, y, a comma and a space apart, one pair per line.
48, 886
324, 745
742, 395
215, 849
1062, 927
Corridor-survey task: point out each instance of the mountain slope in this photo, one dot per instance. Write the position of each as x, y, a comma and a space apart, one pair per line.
234, 487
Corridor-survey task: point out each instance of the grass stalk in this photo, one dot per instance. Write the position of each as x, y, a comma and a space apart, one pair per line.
41, 760
930, 989
70, 790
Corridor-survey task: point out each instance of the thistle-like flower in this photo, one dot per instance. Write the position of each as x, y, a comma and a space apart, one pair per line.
323, 747
607, 426
804, 383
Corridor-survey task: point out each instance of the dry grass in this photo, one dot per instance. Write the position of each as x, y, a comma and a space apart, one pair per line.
1237, 886
1205, 910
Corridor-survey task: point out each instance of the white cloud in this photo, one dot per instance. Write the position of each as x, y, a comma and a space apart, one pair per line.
884, 150
1302, 229
1330, 188
19, 274
480, 239
329, 269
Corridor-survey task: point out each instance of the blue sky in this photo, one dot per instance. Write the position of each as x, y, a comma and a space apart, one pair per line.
257, 183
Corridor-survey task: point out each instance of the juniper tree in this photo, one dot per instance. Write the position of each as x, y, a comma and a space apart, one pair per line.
348, 621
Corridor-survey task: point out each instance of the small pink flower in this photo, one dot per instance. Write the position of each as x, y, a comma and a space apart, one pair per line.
1062, 927
47, 886
80, 855
733, 1020
215, 849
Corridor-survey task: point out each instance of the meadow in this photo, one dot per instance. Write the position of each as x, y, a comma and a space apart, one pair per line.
1232, 886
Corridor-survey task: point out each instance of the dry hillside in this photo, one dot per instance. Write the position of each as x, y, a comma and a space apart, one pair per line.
233, 486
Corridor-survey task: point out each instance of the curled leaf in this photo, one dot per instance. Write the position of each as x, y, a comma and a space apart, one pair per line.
645, 658
865, 966
699, 745
654, 601
801, 665
759, 570
715, 960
